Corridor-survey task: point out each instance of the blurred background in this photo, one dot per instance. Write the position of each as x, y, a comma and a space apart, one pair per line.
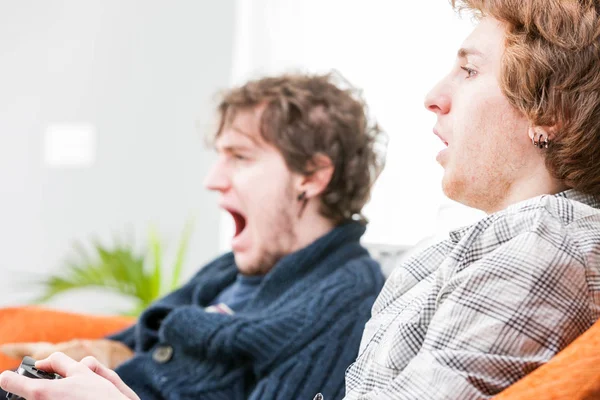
104, 106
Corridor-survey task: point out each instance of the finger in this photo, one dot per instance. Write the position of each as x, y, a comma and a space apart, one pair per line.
59, 363
97, 367
19, 385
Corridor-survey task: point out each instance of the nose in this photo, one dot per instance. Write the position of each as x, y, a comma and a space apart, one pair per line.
217, 178
438, 99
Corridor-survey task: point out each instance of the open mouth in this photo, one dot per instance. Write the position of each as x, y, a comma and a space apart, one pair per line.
440, 137
240, 221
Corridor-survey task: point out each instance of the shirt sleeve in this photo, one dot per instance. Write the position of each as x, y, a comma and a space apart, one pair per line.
497, 320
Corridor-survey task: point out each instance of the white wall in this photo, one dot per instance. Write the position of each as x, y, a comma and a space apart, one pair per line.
143, 73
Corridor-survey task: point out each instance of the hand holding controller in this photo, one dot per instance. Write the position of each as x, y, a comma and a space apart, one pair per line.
28, 369
86, 379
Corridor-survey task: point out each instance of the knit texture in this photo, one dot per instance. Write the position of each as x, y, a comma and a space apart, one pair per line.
295, 338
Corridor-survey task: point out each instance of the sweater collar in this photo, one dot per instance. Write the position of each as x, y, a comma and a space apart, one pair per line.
318, 259
347, 233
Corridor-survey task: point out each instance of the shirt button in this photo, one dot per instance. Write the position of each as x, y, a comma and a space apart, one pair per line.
162, 354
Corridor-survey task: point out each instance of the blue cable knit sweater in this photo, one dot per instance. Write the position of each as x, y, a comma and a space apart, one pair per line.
295, 338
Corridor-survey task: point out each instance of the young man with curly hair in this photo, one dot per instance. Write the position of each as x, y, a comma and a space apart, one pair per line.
519, 115
280, 317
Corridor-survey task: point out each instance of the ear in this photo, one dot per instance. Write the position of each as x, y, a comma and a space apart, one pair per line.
317, 180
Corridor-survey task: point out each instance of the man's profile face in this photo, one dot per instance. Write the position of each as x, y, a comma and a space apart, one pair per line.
257, 189
485, 139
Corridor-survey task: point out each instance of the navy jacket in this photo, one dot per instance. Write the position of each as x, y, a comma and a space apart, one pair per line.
295, 338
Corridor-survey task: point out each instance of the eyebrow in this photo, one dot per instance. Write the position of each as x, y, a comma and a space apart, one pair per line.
469, 51
235, 145
231, 148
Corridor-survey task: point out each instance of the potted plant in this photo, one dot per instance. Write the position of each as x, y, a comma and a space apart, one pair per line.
143, 276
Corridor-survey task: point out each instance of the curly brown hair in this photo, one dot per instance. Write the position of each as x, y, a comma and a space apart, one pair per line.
551, 73
308, 115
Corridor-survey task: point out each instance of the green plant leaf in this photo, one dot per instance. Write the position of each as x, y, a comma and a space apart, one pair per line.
154, 279
120, 269
181, 251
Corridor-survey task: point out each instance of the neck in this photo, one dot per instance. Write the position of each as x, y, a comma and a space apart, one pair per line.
311, 226
536, 182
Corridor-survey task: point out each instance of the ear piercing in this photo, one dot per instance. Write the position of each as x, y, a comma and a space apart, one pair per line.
539, 143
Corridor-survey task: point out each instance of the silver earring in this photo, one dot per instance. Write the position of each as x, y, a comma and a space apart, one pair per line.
539, 143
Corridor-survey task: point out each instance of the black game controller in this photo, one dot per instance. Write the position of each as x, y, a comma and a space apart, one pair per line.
28, 369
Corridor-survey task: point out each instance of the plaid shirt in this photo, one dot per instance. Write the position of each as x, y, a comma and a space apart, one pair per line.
471, 315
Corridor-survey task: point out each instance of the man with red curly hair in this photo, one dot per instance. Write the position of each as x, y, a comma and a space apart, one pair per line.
519, 113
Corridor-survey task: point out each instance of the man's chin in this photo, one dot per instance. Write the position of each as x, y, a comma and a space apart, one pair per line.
242, 261
254, 264
246, 263
459, 189
453, 188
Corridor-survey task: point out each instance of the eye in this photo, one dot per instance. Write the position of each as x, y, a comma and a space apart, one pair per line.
239, 157
470, 72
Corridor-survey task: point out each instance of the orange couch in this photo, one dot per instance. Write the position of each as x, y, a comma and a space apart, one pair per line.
38, 324
574, 374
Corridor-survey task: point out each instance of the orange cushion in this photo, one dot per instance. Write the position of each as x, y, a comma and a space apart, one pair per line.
38, 324
573, 374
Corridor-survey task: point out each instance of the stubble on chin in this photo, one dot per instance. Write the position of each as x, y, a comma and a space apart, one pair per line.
279, 241
483, 190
